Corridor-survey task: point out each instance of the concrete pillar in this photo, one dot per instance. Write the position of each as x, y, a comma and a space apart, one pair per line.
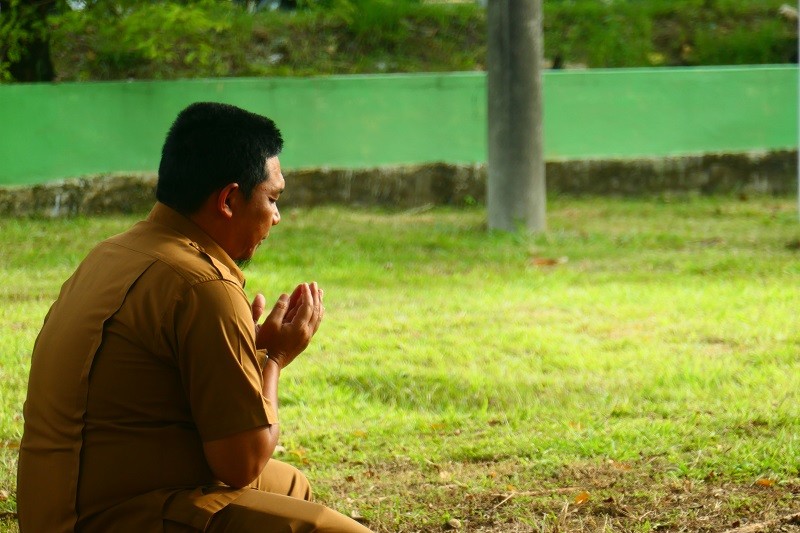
516, 180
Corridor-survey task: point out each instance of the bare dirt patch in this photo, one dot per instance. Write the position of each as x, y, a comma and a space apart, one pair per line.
515, 496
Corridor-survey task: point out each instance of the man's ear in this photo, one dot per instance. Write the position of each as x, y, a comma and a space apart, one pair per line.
226, 199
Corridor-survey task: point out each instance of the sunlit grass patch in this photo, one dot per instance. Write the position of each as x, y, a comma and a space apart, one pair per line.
642, 351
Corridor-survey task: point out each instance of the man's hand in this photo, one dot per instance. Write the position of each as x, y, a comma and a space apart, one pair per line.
291, 324
258, 306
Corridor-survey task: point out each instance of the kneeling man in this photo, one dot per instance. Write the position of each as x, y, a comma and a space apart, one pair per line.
153, 393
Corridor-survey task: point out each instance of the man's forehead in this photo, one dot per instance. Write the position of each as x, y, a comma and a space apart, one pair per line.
276, 181
274, 175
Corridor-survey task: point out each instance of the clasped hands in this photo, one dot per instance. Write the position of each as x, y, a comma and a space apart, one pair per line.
291, 324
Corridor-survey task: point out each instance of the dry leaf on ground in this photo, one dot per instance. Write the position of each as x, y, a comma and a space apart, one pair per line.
582, 497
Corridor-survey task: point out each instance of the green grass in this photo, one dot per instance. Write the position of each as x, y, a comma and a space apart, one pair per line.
654, 366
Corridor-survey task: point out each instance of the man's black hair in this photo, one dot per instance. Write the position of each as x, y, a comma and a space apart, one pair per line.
209, 146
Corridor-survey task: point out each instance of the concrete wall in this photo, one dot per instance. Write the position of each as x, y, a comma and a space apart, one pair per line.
54, 131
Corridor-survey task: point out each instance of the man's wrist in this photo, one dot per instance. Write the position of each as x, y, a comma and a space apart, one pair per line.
274, 361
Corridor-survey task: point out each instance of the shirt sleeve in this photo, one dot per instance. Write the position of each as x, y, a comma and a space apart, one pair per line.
219, 364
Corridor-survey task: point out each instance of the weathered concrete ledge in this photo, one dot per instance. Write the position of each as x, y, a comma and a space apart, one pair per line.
772, 173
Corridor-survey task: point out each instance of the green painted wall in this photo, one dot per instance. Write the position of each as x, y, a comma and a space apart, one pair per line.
52, 131
659, 112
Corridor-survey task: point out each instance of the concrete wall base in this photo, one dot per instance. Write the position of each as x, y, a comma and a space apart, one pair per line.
771, 173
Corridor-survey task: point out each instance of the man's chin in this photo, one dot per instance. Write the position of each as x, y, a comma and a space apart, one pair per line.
247, 256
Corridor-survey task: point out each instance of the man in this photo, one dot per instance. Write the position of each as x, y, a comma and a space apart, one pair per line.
153, 393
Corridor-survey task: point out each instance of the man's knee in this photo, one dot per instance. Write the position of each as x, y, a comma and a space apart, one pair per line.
281, 478
262, 512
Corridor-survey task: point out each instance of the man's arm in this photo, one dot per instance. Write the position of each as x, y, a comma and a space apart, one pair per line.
238, 459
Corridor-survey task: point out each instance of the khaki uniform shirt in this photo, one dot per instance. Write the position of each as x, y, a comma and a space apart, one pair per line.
148, 351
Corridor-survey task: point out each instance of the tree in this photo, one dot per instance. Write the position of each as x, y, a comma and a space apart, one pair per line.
25, 31
24, 40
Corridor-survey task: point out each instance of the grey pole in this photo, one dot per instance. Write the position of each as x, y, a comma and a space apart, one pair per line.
516, 180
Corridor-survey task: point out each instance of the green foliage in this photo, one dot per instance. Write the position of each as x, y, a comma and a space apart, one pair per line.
571, 33
765, 44
376, 21
668, 32
197, 38
368, 37
20, 26
152, 40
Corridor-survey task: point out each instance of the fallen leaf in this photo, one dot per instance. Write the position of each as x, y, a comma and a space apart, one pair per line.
355, 515
582, 498
765, 482
3, 495
548, 261
444, 475
360, 433
492, 474
350, 479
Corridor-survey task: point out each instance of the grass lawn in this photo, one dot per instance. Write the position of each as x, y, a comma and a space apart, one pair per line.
635, 369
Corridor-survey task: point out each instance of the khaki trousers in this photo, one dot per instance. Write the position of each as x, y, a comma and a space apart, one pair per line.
277, 502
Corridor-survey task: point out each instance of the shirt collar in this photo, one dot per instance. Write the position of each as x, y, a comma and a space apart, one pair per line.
166, 216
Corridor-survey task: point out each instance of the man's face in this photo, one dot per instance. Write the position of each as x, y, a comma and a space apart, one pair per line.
253, 218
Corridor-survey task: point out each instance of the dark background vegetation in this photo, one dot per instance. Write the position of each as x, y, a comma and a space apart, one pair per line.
46, 40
